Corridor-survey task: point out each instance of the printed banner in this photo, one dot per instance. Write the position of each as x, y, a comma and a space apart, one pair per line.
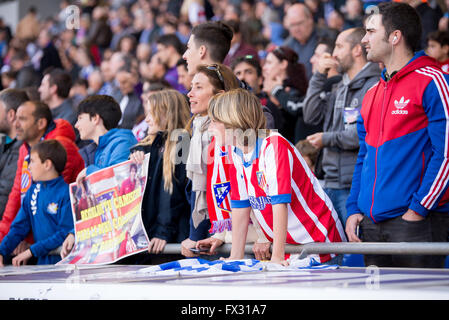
106, 212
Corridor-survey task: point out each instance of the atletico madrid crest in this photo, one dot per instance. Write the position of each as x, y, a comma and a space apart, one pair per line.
261, 179
221, 192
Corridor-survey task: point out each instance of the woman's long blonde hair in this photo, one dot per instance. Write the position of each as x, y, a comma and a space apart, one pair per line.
170, 110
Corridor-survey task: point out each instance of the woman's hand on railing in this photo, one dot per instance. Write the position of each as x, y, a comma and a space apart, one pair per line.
211, 243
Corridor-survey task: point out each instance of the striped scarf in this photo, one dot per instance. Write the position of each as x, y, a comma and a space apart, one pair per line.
218, 193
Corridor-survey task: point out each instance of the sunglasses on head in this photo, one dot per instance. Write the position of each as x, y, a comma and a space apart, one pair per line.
214, 67
279, 52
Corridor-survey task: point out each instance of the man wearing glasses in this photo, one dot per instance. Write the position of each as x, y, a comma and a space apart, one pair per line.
303, 33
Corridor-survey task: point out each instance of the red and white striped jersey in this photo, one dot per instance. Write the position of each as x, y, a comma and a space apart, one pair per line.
275, 173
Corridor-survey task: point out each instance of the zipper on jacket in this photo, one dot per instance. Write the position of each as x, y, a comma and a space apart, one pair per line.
423, 167
377, 149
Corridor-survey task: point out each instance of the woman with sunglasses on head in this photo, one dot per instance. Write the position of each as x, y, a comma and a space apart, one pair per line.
210, 214
286, 83
165, 208
269, 177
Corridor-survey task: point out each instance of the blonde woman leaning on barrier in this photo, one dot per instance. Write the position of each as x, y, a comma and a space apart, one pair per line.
269, 177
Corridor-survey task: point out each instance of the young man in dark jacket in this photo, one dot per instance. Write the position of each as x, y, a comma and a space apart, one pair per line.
339, 111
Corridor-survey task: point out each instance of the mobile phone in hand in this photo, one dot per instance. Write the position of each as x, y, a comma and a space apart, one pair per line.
195, 250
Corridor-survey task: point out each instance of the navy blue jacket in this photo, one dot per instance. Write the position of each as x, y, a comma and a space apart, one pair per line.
46, 211
165, 216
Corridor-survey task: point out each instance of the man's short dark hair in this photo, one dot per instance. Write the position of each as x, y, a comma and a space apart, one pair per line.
328, 42
216, 36
105, 106
42, 111
355, 38
62, 80
182, 62
442, 37
234, 24
171, 40
52, 150
13, 98
249, 59
403, 17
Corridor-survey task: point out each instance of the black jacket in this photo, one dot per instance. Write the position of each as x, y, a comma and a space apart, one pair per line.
9, 154
291, 101
133, 110
165, 216
50, 58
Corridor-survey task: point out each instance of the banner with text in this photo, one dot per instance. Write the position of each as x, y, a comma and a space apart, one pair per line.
106, 212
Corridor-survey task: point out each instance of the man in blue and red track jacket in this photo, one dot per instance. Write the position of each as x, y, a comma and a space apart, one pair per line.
400, 181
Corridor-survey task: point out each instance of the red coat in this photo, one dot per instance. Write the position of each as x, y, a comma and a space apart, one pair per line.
60, 130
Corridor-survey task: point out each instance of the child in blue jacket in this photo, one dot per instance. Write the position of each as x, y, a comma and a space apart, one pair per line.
46, 209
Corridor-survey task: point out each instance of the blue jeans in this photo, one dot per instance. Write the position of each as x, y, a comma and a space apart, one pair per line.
338, 198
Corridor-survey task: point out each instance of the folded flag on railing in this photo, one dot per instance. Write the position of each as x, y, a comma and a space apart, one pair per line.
196, 265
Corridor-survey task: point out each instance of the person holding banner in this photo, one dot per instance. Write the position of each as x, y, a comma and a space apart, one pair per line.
45, 208
165, 209
269, 177
98, 118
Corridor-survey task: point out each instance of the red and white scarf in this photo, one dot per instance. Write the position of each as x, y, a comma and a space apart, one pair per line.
218, 191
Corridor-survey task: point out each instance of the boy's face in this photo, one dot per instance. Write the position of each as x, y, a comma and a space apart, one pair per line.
436, 51
86, 126
37, 168
246, 72
183, 77
192, 55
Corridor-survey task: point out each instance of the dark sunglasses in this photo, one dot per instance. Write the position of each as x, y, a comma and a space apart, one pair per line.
214, 67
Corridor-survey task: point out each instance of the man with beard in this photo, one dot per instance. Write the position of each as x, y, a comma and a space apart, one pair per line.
399, 190
10, 100
339, 110
34, 123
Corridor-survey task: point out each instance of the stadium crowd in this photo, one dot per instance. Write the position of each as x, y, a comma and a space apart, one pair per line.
110, 80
